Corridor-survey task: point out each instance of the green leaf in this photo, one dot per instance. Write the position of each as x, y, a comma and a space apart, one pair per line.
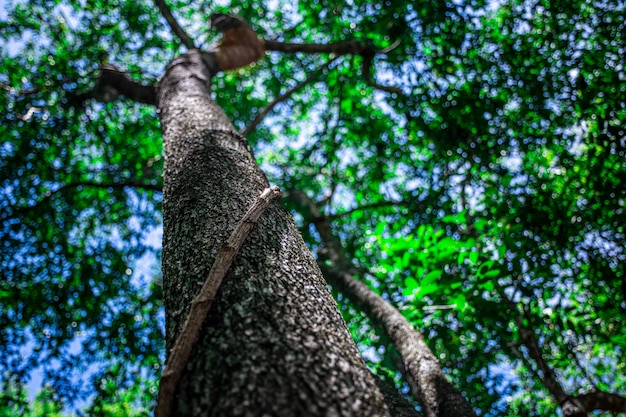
473, 257
431, 277
410, 285
426, 290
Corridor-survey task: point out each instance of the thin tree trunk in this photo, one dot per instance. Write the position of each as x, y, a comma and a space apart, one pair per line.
274, 342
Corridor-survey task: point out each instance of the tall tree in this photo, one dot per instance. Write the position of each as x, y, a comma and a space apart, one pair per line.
454, 166
274, 343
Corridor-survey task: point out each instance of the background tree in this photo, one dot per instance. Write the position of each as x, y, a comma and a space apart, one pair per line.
468, 156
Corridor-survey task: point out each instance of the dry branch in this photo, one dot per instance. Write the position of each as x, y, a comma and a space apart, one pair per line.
200, 306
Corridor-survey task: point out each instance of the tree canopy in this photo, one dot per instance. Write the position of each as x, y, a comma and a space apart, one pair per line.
467, 156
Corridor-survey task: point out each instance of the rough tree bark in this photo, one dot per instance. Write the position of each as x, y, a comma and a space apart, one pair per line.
274, 342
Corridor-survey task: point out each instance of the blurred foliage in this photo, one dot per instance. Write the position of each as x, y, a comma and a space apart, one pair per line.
14, 402
487, 196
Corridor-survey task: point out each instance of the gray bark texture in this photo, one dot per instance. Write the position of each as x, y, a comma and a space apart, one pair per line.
274, 343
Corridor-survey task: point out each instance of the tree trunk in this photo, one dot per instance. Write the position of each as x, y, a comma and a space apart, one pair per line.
274, 343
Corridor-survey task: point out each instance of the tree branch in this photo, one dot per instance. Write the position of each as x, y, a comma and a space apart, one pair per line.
580, 366
548, 377
200, 306
601, 400
259, 118
339, 48
367, 75
571, 405
111, 83
423, 372
176, 28
524, 359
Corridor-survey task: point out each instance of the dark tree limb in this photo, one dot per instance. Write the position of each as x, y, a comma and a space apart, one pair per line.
180, 33
259, 118
239, 47
572, 405
367, 75
200, 306
438, 397
601, 400
584, 371
514, 348
339, 48
548, 376
112, 83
